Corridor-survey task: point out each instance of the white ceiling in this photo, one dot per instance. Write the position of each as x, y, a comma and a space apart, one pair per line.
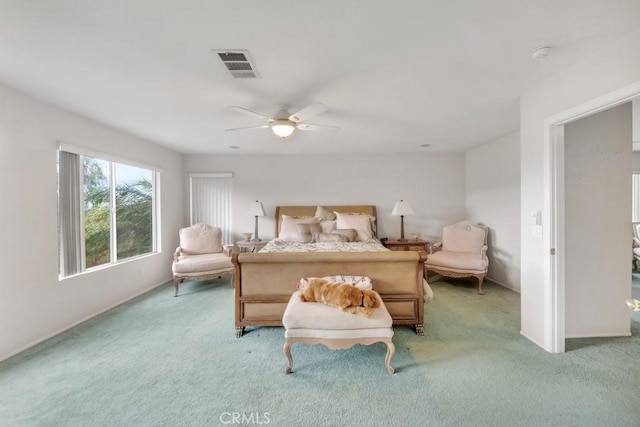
394, 75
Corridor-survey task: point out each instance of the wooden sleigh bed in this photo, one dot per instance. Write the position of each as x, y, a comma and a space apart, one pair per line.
264, 282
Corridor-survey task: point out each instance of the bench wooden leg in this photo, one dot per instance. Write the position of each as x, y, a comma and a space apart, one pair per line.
391, 350
287, 352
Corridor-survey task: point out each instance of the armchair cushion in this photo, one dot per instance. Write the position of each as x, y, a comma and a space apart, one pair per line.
201, 263
458, 260
200, 239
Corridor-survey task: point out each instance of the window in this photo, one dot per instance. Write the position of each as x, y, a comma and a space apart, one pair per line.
106, 211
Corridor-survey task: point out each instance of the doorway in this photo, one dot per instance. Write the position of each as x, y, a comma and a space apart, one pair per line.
554, 210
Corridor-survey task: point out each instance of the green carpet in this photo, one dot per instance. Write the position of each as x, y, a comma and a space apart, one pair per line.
164, 361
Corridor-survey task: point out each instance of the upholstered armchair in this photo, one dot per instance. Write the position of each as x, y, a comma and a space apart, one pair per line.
461, 253
636, 244
200, 256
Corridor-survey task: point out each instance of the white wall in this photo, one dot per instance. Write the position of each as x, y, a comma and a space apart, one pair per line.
611, 68
34, 304
433, 184
597, 223
493, 199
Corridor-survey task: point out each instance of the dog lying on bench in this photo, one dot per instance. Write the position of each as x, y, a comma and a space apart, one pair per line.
341, 295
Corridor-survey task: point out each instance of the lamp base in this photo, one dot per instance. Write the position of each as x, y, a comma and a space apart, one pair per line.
255, 240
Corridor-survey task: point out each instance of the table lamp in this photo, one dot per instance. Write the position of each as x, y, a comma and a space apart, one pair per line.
257, 210
402, 208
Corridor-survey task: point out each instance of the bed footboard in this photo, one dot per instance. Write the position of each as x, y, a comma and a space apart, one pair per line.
264, 282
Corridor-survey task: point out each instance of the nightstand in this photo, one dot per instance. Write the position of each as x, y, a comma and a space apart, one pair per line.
250, 246
407, 245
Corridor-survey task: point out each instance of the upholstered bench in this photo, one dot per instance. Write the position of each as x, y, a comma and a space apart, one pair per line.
316, 323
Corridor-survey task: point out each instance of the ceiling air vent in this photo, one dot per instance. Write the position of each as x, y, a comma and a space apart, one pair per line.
238, 63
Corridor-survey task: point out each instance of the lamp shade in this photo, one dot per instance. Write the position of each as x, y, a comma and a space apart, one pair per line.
402, 208
257, 209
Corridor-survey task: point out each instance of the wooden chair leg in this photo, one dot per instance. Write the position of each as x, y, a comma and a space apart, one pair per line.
176, 283
480, 280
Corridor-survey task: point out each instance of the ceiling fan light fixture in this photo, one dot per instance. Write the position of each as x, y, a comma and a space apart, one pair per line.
283, 128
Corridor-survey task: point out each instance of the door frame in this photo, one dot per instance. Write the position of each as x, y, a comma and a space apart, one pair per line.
553, 219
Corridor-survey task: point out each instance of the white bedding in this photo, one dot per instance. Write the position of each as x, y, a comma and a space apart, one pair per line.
278, 245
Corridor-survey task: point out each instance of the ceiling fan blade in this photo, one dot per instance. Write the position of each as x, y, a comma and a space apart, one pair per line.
308, 111
250, 113
308, 126
250, 127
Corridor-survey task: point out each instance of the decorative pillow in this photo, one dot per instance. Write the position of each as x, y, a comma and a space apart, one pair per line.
362, 282
324, 214
359, 222
349, 233
328, 225
306, 231
328, 237
288, 231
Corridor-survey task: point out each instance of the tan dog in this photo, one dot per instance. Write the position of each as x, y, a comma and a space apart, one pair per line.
341, 295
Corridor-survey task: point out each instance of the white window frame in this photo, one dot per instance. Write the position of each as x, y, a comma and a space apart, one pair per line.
113, 160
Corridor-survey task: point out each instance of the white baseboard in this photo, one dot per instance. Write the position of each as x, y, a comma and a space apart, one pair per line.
599, 335
66, 328
516, 290
539, 344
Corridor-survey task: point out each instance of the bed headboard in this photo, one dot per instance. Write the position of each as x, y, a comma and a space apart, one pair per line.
311, 210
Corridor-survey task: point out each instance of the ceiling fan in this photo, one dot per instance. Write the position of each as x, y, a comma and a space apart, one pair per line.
283, 123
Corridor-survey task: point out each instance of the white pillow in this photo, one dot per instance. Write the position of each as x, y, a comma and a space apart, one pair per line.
288, 230
328, 225
307, 231
362, 282
349, 233
359, 222
328, 237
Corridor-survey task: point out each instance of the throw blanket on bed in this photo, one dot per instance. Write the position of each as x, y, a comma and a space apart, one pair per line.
277, 245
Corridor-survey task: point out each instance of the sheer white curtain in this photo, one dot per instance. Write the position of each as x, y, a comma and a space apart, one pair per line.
635, 198
70, 213
210, 195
